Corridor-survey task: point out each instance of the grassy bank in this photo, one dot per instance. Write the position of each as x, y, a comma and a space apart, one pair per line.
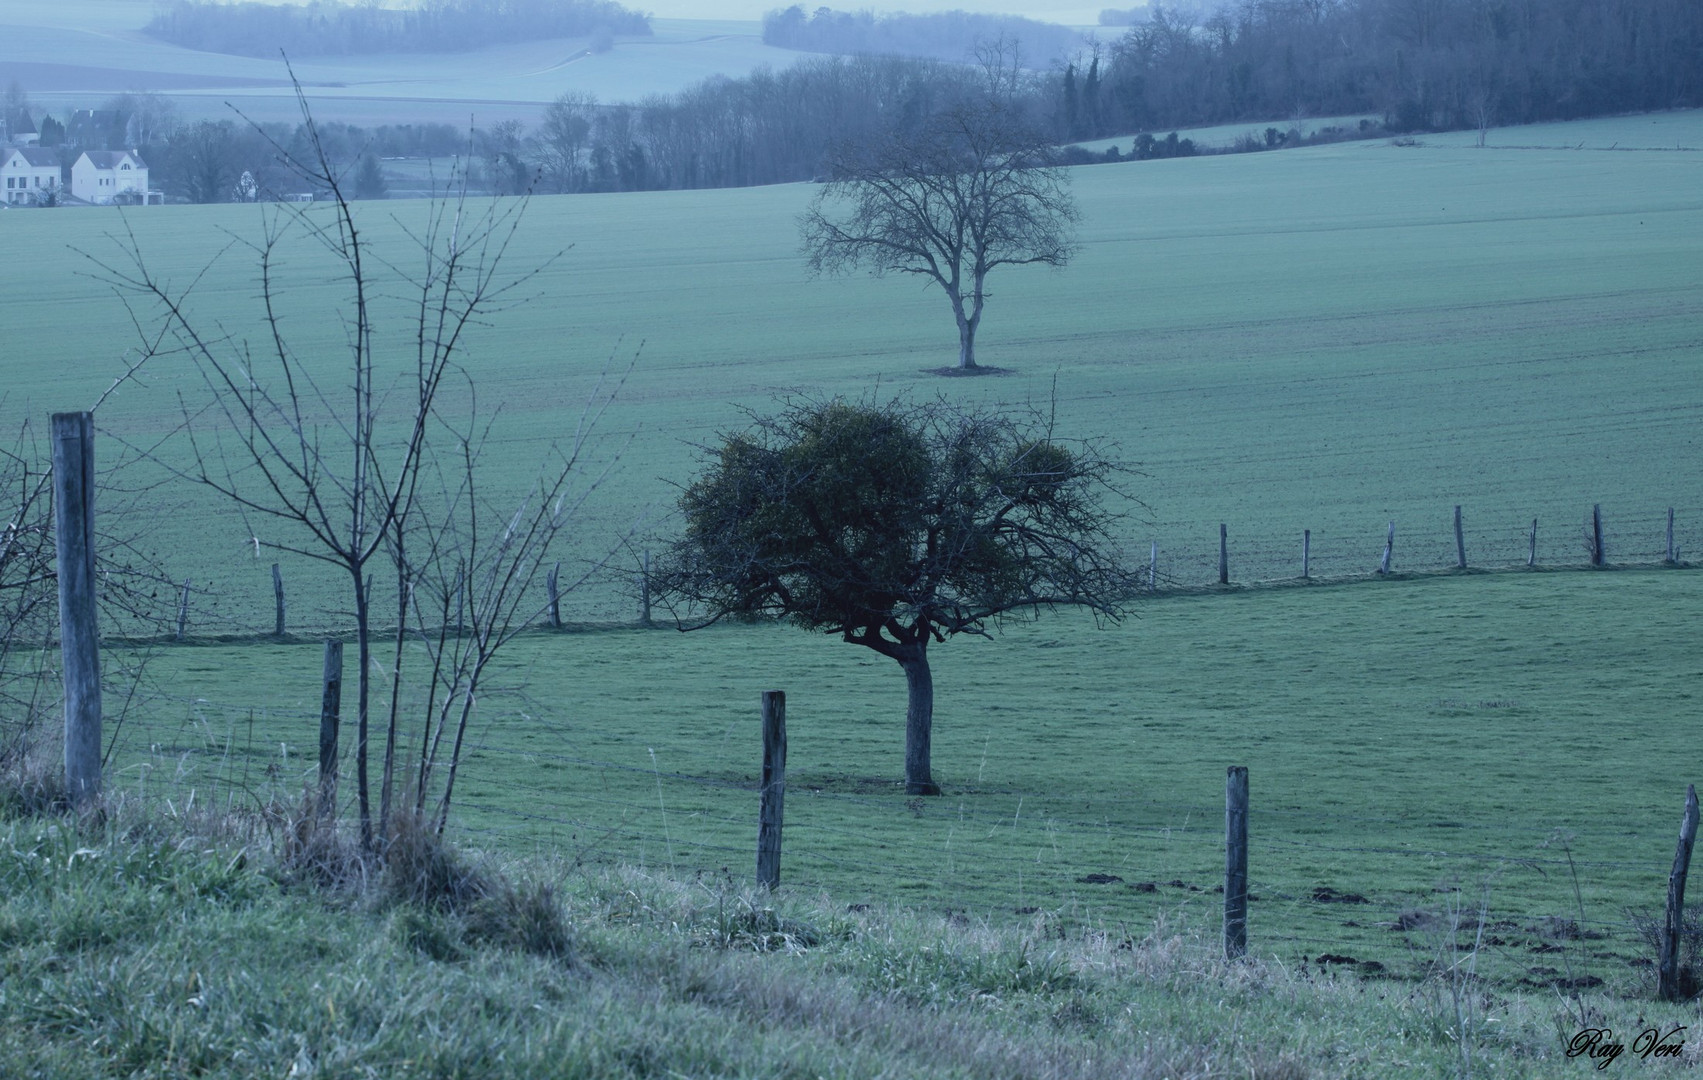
173, 947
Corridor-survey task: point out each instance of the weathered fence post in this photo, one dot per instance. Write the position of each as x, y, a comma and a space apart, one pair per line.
1235, 862
773, 792
1153, 569
1596, 535
1306, 553
1673, 555
1531, 560
183, 611
1668, 973
644, 593
278, 600
552, 587
1389, 547
1223, 554
1460, 542
330, 713
79, 639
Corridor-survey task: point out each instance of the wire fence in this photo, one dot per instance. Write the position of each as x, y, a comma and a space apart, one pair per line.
237, 605
1556, 900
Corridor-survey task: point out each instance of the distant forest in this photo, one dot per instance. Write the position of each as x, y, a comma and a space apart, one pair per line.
324, 28
952, 35
1421, 64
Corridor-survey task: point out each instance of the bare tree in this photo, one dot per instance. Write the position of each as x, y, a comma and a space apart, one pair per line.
971, 190
318, 473
897, 525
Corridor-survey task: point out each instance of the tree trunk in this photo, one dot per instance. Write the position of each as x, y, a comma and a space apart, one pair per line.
919, 720
966, 343
967, 323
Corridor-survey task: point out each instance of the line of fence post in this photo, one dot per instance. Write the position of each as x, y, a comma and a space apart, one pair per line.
79, 640
772, 794
1235, 862
1673, 555
1223, 554
278, 601
644, 593
1531, 559
1668, 972
552, 589
1460, 541
330, 717
1153, 569
1596, 536
1389, 548
1306, 553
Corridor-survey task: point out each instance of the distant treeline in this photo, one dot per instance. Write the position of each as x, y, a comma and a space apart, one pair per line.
951, 35
326, 28
1422, 64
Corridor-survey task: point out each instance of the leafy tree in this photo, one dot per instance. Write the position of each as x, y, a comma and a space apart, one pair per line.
973, 188
896, 525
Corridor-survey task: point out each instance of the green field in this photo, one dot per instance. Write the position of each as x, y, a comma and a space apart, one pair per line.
1324, 339
1419, 743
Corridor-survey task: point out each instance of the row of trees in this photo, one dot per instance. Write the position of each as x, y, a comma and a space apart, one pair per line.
324, 27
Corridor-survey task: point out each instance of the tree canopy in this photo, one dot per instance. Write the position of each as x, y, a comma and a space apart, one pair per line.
897, 524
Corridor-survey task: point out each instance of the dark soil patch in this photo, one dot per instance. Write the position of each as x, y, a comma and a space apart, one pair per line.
1335, 958
1327, 895
1145, 886
956, 372
1098, 879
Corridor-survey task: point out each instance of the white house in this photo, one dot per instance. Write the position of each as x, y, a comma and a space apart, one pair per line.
100, 175
28, 172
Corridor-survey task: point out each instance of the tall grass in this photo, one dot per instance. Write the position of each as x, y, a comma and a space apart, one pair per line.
147, 945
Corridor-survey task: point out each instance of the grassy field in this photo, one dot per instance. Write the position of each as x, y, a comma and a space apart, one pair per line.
77, 54
1324, 339
1329, 339
1513, 741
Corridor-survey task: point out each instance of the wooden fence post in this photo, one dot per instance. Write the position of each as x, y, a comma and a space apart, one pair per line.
1460, 541
1306, 553
773, 792
79, 639
1531, 560
644, 593
278, 600
552, 587
1153, 569
1673, 555
1235, 862
1596, 535
1223, 554
183, 611
330, 710
1389, 547
1668, 973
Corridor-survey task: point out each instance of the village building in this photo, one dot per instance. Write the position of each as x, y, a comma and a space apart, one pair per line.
20, 129
27, 174
100, 176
